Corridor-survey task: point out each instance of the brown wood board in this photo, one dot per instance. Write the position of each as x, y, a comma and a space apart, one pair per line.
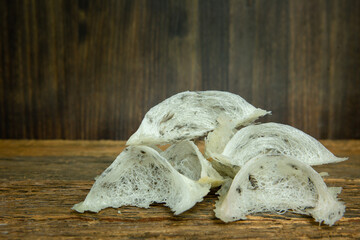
92, 69
41, 180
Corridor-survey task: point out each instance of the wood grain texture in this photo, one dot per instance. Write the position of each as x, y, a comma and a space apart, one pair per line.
39, 185
91, 69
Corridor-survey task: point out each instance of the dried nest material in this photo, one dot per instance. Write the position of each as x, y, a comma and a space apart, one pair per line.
268, 138
270, 162
277, 184
186, 158
190, 115
216, 141
138, 177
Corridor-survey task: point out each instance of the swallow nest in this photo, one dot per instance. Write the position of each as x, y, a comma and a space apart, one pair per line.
260, 167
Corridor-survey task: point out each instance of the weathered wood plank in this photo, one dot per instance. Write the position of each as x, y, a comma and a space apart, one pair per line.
42, 209
35, 148
39, 185
112, 148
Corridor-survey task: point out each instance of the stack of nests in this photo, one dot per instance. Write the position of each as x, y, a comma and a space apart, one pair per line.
260, 167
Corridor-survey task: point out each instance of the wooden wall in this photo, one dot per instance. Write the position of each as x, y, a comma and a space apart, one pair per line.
91, 69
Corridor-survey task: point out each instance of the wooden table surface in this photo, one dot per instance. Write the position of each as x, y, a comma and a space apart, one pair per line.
41, 180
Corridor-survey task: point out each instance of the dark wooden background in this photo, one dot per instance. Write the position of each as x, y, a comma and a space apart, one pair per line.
91, 69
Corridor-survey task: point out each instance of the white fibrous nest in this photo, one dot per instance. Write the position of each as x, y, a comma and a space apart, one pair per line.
277, 184
190, 115
260, 167
140, 176
269, 139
